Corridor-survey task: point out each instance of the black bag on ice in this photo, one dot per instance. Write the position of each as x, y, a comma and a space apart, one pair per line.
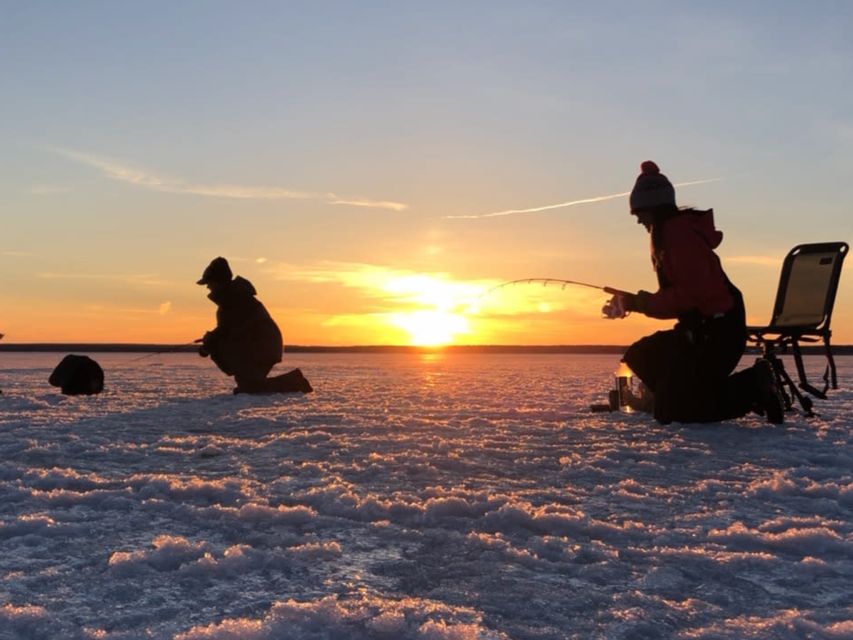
78, 375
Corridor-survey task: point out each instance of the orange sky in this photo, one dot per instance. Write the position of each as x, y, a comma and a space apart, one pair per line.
374, 176
344, 304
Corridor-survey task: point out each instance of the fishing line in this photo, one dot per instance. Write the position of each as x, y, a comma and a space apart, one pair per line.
159, 353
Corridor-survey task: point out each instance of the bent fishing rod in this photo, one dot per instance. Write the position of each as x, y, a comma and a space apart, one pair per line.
556, 281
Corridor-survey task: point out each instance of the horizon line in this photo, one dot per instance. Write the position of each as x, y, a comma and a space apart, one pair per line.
165, 349
178, 348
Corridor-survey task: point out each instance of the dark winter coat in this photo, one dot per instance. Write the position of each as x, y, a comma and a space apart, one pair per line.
246, 339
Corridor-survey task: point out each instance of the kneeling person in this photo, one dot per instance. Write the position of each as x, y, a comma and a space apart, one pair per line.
689, 367
246, 342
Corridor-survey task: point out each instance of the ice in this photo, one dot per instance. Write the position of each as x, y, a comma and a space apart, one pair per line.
434, 496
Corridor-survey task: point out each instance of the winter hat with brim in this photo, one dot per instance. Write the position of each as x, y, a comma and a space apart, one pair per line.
217, 271
651, 190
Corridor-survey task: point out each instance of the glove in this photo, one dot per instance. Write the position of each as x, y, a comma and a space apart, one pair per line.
615, 307
638, 302
204, 349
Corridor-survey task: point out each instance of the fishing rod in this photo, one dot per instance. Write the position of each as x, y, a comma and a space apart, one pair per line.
555, 281
169, 350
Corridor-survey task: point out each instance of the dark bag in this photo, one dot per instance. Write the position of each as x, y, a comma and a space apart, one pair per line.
78, 375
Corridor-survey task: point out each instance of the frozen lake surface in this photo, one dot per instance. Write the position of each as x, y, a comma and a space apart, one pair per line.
412, 496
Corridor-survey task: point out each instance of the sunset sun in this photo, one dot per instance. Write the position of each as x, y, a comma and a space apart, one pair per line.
440, 308
431, 328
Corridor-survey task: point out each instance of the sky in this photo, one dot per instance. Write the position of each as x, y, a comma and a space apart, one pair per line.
346, 157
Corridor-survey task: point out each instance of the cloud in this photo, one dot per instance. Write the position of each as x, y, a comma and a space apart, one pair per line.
379, 281
48, 190
149, 180
117, 311
133, 278
370, 204
562, 205
387, 305
18, 254
235, 259
429, 308
401, 288
761, 261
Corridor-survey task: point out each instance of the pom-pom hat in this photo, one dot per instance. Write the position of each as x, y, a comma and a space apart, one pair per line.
651, 190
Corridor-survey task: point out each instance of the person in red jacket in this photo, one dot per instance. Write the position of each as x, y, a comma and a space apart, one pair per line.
689, 368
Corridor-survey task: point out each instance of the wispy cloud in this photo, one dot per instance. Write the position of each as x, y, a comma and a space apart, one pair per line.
149, 180
117, 311
562, 205
17, 254
363, 202
48, 190
761, 261
258, 260
150, 279
396, 288
387, 304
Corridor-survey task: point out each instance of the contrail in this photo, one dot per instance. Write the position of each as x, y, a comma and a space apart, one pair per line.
570, 203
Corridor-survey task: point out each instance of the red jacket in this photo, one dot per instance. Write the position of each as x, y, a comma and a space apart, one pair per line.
689, 271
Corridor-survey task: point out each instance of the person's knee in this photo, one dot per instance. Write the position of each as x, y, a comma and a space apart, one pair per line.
631, 356
223, 363
640, 357
251, 378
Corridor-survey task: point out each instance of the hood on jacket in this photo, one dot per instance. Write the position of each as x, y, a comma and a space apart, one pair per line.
239, 287
702, 222
243, 286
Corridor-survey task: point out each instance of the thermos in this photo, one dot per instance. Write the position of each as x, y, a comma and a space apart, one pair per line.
620, 397
622, 378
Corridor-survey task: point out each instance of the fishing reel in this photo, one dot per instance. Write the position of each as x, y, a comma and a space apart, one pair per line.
614, 308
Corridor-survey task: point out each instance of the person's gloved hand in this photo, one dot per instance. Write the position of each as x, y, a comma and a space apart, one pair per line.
615, 307
638, 302
204, 349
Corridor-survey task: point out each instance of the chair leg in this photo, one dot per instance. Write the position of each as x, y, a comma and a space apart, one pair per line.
830, 361
801, 372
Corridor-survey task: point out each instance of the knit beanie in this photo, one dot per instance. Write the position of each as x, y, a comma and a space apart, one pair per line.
652, 189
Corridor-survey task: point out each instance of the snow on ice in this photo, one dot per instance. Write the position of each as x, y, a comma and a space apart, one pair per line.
452, 497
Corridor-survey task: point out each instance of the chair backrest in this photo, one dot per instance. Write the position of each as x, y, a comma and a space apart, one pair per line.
807, 287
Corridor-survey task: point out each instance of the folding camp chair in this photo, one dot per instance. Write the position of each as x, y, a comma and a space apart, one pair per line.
802, 313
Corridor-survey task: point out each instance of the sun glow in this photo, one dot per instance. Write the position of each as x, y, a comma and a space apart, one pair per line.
431, 328
432, 309
443, 308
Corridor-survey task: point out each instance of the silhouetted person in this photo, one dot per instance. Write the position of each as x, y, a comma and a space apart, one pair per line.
78, 375
687, 367
246, 342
